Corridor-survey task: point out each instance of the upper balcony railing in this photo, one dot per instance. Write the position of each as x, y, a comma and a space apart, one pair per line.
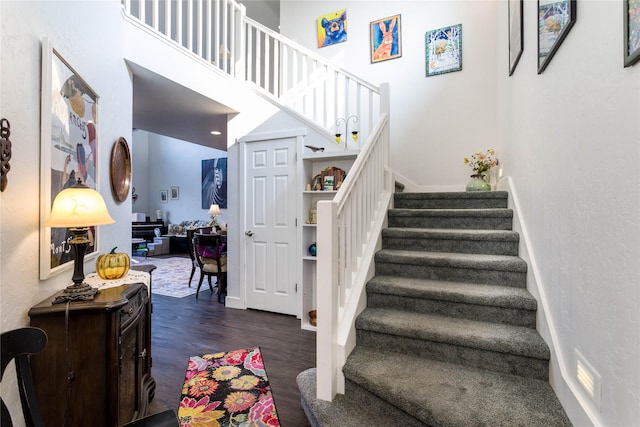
219, 32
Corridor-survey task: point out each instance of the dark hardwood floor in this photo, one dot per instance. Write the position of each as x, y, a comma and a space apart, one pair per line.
184, 327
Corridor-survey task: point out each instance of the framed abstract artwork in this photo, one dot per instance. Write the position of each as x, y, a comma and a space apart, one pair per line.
631, 32
68, 152
214, 183
332, 28
516, 39
555, 20
386, 39
444, 50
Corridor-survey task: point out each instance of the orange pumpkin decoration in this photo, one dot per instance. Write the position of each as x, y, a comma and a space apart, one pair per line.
112, 265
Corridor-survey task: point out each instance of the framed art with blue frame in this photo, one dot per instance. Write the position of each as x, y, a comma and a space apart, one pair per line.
444, 50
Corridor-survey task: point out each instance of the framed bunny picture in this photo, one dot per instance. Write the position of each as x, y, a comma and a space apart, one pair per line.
386, 39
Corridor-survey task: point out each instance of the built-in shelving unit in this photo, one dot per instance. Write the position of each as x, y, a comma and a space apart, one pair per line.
313, 164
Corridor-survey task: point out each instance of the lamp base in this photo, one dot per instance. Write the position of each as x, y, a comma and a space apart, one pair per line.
77, 292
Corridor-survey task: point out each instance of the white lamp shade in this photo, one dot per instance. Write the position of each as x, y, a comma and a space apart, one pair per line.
78, 206
214, 210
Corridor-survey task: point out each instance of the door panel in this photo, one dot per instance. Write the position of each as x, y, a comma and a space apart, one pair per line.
270, 213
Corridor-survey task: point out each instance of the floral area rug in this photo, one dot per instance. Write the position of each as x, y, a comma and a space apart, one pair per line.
171, 277
227, 389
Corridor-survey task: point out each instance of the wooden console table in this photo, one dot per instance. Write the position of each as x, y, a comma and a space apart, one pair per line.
97, 366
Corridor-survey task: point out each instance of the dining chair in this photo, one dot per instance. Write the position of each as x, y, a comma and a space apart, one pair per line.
192, 254
211, 256
18, 345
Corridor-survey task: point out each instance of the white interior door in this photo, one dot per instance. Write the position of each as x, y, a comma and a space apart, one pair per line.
270, 229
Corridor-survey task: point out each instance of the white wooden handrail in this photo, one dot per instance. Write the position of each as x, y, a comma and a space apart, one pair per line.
219, 32
349, 227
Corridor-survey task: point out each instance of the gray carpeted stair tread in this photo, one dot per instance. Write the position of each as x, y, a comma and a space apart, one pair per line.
345, 411
442, 290
492, 199
452, 213
454, 260
455, 195
451, 234
495, 337
447, 395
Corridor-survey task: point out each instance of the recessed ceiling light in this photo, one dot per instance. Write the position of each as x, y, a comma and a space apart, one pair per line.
216, 132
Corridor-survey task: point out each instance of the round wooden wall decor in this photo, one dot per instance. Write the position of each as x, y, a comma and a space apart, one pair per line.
120, 169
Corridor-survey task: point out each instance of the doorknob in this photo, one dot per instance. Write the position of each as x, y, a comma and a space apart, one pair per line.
248, 233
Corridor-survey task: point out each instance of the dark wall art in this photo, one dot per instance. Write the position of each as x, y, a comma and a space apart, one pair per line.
214, 182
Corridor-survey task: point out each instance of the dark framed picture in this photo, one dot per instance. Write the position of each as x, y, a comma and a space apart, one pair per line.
175, 193
214, 183
555, 20
386, 39
516, 39
444, 50
631, 32
68, 151
164, 196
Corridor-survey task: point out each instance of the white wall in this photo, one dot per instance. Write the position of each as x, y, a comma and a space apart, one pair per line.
435, 121
89, 36
171, 162
570, 141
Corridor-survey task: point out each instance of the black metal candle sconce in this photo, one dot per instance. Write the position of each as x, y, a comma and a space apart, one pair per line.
5, 132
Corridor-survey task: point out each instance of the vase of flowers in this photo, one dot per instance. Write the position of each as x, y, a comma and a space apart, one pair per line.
481, 163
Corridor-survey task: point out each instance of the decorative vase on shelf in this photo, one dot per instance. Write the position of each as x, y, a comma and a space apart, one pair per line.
313, 249
478, 183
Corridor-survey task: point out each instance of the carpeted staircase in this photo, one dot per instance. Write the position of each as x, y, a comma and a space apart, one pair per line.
448, 337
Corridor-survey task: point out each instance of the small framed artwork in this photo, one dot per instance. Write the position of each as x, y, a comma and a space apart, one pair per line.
555, 20
444, 50
516, 39
164, 196
631, 32
386, 42
69, 147
328, 183
175, 193
332, 28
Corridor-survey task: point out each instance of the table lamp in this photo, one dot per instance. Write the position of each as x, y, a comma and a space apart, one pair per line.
214, 211
78, 208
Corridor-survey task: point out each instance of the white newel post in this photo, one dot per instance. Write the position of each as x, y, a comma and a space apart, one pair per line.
327, 304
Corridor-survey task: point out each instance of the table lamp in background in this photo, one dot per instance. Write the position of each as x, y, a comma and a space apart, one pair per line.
214, 212
78, 208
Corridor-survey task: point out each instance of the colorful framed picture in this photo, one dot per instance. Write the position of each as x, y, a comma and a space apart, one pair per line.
386, 39
68, 152
164, 196
444, 50
332, 28
516, 36
555, 20
631, 32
